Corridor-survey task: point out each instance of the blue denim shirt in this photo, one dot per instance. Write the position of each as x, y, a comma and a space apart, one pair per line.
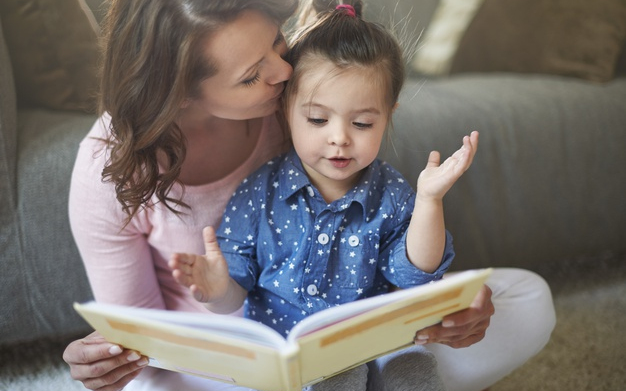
296, 255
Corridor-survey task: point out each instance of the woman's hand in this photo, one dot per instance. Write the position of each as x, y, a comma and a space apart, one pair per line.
463, 328
100, 365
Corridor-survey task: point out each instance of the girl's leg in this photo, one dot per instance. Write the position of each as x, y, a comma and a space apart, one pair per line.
411, 369
353, 380
521, 326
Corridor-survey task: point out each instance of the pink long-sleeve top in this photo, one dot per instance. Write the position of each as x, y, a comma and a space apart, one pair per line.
129, 265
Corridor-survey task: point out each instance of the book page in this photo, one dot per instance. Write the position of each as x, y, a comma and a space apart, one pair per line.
340, 338
225, 348
340, 313
224, 325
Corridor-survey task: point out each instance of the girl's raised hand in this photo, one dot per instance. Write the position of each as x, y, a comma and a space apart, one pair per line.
206, 276
436, 179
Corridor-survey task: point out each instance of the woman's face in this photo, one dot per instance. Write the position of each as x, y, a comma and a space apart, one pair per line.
250, 69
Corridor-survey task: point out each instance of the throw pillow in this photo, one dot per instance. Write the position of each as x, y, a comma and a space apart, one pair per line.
440, 41
53, 45
579, 38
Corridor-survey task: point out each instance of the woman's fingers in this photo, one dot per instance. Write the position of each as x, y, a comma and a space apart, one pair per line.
100, 365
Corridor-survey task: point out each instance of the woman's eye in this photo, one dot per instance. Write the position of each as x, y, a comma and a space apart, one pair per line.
280, 38
362, 125
252, 81
316, 121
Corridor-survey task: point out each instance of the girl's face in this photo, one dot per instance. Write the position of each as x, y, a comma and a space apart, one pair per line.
337, 120
250, 69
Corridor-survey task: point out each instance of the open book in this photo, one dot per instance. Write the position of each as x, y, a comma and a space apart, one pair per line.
248, 353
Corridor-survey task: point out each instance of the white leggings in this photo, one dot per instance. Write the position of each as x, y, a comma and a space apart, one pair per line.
521, 326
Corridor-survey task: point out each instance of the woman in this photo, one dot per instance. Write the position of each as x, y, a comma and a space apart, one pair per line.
188, 93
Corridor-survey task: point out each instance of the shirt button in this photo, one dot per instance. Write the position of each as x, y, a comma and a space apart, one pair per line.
322, 238
353, 240
311, 290
309, 189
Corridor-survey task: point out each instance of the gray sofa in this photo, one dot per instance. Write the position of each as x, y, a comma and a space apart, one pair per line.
547, 184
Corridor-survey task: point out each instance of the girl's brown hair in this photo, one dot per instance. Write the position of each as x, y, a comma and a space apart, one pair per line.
152, 63
347, 41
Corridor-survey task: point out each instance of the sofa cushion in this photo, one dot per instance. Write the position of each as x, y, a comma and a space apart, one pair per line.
578, 38
440, 41
8, 136
53, 46
49, 275
409, 18
10, 244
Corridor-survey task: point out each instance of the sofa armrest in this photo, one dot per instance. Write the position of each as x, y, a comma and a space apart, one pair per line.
549, 177
8, 131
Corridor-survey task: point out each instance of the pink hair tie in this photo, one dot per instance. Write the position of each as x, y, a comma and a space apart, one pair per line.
347, 8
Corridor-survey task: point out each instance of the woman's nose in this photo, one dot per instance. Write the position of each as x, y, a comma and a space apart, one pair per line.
281, 70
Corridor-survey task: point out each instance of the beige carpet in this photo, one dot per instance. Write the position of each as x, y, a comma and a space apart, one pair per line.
587, 351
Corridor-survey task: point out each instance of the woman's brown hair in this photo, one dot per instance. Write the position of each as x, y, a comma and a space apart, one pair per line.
152, 63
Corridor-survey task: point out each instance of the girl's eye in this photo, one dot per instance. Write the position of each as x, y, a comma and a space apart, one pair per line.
362, 125
252, 81
316, 121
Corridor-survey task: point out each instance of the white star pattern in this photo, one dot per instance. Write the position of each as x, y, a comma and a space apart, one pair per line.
341, 269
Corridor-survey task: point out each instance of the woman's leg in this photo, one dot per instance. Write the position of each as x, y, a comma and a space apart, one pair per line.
521, 326
411, 369
152, 379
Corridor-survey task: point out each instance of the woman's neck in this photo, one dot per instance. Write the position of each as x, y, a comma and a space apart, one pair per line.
217, 148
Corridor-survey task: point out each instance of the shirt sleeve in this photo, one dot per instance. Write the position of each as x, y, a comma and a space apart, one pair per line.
394, 262
237, 235
403, 274
117, 260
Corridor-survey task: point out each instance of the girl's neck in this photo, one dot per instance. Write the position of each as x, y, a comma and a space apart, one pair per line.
331, 189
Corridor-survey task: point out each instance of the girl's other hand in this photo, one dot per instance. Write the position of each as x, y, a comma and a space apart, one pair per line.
436, 179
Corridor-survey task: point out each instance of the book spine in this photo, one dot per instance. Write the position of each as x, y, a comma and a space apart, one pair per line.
290, 360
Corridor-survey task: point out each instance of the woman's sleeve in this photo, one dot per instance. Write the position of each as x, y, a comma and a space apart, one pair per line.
118, 261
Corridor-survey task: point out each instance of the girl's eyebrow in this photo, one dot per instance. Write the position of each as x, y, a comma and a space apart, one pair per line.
372, 110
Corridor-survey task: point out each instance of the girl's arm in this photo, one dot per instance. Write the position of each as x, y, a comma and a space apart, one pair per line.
426, 233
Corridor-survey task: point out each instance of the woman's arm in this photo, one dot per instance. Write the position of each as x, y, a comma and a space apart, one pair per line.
119, 265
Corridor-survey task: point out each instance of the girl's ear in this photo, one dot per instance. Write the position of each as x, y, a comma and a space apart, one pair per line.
393, 109
185, 104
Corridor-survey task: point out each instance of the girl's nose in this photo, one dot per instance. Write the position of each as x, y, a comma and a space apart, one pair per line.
339, 136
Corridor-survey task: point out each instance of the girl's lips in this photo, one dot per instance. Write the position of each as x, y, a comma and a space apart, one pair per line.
339, 162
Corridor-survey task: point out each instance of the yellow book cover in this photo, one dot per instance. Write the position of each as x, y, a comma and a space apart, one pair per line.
247, 353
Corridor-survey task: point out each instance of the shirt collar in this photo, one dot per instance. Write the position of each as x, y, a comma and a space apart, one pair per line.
368, 191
